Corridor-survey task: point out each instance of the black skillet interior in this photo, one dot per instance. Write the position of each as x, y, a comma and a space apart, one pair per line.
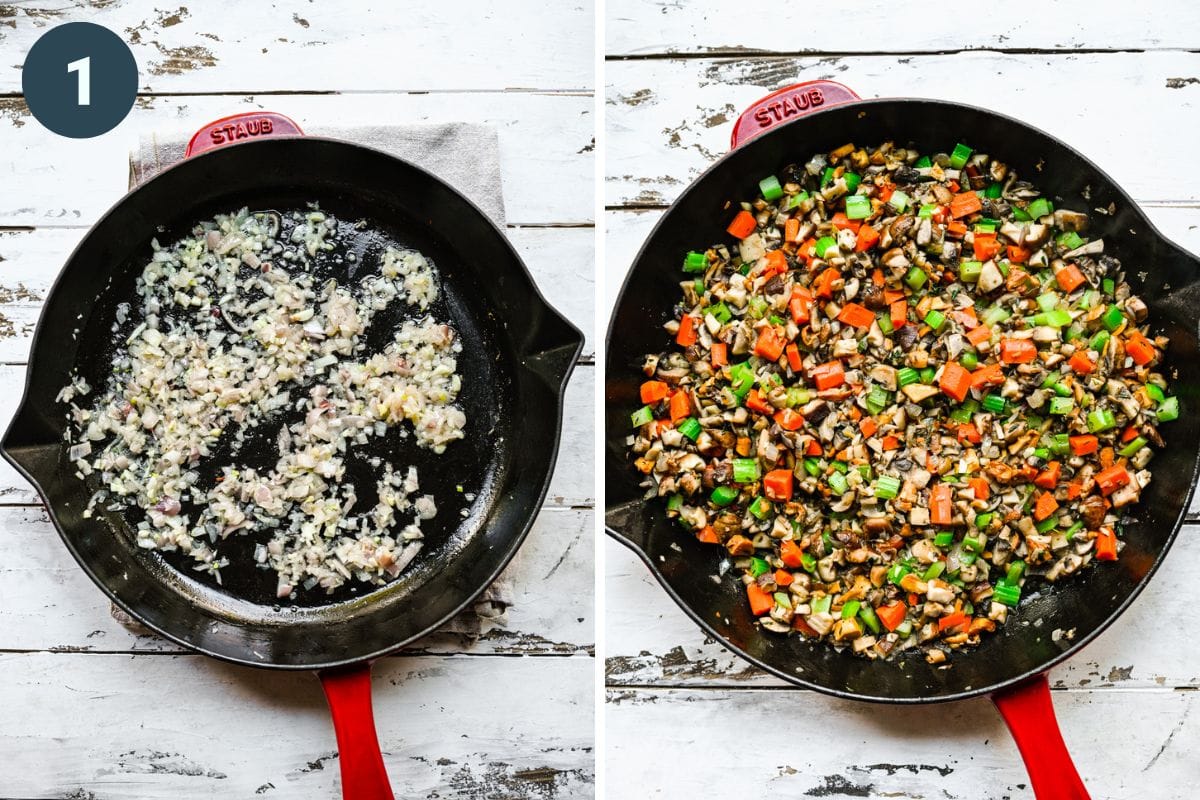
1162, 273
516, 357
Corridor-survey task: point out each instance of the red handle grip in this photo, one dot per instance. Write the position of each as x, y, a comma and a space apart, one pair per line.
787, 104
239, 128
348, 692
1029, 713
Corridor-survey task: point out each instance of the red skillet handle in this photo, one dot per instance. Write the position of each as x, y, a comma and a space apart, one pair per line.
240, 128
348, 692
787, 104
1029, 712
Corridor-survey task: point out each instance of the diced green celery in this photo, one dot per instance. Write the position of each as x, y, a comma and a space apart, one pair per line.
745, 470
915, 278
695, 262
968, 271
958, 158
770, 188
899, 201
1040, 208
1168, 410
858, 207
690, 428
640, 417
723, 496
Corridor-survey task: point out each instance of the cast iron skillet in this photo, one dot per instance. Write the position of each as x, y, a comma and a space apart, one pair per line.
518, 355
1011, 665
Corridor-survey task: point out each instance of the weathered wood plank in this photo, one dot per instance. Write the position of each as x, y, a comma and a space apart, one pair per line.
649, 640
560, 260
667, 120
652, 27
687, 743
351, 45
187, 726
545, 148
40, 581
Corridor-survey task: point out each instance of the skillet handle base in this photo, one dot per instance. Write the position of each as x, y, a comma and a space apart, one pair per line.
348, 692
241, 127
1029, 714
786, 104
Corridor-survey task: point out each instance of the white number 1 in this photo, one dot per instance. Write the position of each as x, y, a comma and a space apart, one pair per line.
84, 67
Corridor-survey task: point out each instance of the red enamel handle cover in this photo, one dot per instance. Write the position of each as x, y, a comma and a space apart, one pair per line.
1029, 712
348, 692
241, 128
787, 104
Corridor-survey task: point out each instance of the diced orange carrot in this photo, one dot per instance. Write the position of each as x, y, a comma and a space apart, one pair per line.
898, 311
799, 305
986, 247
829, 375
877, 277
1107, 457
813, 449
760, 602
965, 204
791, 230
1084, 445
952, 622
867, 238
793, 357
769, 345
891, 615
1017, 351
1045, 506
783, 577
1018, 254
956, 230
653, 391
980, 485
708, 535
687, 332
1074, 490
1081, 363
1113, 478
890, 443
681, 406
856, 316
756, 402
1106, 545
892, 295
720, 354
789, 420
979, 335
941, 508
789, 553
968, 433
777, 485
1048, 478
1139, 349
1129, 434
843, 223
987, 376
743, 225
868, 426
1069, 278
824, 283
955, 380
776, 263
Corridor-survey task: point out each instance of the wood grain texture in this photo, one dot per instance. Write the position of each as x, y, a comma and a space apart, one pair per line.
653, 28
668, 120
352, 45
1128, 745
113, 727
545, 148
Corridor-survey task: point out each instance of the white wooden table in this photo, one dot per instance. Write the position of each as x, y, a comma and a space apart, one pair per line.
89, 710
684, 718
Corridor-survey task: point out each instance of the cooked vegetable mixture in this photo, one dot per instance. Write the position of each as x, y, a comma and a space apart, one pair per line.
233, 328
912, 387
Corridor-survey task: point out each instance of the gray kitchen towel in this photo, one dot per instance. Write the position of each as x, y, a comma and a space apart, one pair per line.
466, 156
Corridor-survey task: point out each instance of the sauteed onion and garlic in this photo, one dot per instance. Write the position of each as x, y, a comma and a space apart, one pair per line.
909, 390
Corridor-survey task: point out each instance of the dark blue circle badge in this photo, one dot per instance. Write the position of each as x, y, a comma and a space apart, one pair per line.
80, 80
